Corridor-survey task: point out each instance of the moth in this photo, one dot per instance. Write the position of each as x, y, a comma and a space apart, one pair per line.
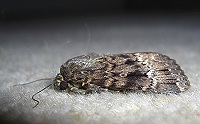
129, 72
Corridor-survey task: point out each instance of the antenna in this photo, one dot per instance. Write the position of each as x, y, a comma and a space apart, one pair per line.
38, 91
34, 81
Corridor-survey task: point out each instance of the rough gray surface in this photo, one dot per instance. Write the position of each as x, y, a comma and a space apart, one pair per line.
36, 49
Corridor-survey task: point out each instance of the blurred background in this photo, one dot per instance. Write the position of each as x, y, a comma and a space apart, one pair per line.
97, 25
110, 22
34, 9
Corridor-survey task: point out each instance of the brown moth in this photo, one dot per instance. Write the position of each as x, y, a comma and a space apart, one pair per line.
128, 72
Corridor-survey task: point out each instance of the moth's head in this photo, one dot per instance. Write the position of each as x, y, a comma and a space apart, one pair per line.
59, 83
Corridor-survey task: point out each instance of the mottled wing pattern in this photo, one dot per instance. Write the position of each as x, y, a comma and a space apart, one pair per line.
152, 72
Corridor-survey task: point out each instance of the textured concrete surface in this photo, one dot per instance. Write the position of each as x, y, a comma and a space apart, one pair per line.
35, 49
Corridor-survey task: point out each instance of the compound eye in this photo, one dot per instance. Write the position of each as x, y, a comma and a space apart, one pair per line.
63, 85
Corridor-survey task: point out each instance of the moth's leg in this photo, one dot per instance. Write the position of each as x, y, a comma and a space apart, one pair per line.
74, 89
78, 90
